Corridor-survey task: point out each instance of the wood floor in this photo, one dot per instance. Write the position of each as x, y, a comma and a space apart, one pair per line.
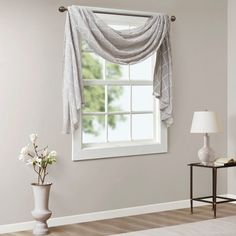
140, 222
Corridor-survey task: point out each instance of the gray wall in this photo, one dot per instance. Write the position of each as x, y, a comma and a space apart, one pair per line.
231, 92
31, 52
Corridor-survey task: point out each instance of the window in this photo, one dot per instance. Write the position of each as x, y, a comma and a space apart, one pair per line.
120, 116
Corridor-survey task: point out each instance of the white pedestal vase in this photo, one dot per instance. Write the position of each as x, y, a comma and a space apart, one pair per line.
41, 213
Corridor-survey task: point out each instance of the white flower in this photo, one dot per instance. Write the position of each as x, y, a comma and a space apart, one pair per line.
21, 157
24, 151
45, 152
30, 161
31, 153
34, 160
33, 138
38, 162
53, 154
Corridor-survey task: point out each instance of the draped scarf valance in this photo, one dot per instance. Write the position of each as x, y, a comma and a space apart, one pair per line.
121, 47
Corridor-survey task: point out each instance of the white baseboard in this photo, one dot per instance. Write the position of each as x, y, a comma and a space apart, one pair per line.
101, 215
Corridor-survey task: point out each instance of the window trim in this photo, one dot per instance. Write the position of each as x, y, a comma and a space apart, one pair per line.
118, 149
91, 82
82, 152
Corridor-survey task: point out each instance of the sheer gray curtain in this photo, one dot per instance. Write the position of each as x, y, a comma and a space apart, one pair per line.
121, 47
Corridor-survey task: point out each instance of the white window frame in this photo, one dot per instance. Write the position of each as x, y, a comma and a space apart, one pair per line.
120, 149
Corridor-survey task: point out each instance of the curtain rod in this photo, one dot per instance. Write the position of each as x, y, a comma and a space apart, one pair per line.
63, 9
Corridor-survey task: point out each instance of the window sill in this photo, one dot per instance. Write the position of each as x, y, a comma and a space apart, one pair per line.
120, 149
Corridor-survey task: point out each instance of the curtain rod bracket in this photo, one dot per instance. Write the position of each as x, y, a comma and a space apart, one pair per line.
63, 9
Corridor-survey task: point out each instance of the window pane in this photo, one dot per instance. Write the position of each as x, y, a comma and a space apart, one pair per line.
92, 66
93, 128
116, 72
118, 98
94, 98
142, 99
142, 126
118, 128
142, 70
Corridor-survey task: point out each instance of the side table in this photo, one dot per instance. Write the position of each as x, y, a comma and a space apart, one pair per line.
214, 196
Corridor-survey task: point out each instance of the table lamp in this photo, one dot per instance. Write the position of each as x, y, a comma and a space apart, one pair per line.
205, 122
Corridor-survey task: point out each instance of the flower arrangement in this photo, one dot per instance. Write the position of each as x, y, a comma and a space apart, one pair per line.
40, 159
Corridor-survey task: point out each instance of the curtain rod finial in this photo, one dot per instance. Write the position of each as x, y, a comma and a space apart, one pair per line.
173, 18
62, 9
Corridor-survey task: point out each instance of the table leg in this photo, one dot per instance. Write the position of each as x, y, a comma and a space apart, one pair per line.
214, 189
191, 189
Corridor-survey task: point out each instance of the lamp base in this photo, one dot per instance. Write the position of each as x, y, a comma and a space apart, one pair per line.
206, 155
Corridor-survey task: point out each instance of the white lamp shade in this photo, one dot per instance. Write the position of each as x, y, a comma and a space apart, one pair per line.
205, 122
